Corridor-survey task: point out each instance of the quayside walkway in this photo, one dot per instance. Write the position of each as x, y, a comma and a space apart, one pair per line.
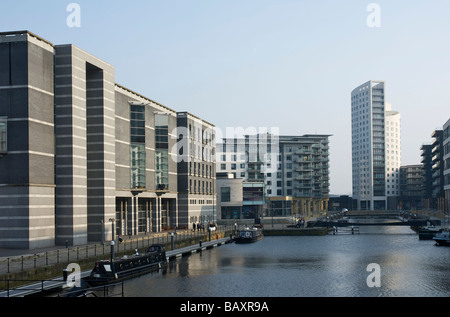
36, 287
18, 267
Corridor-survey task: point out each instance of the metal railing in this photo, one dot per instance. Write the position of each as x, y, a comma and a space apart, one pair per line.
63, 255
30, 287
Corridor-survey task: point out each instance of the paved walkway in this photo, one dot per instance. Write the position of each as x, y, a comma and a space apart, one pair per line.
5, 253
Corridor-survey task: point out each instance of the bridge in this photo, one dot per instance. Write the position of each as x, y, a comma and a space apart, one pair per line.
399, 218
411, 223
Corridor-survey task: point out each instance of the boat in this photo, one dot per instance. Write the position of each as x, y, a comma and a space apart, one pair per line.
106, 271
442, 238
248, 235
428, 233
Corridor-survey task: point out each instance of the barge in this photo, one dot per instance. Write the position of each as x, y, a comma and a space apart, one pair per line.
106, 271
249, 235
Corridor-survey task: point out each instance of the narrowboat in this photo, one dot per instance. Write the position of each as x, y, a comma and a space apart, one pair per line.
248, 235
106, 271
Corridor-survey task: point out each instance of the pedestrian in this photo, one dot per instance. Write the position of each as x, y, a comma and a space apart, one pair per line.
193, 224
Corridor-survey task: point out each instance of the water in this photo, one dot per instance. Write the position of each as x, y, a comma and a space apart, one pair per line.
333, 265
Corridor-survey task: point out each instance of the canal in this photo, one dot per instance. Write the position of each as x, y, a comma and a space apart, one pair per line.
302, 266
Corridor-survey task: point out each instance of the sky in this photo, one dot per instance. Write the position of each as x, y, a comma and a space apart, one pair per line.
284, 64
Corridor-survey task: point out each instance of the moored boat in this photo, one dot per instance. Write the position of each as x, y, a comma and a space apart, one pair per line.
428, 233
107, 271
442, 238
248, 235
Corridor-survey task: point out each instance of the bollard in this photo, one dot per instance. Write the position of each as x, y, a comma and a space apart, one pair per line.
65, 275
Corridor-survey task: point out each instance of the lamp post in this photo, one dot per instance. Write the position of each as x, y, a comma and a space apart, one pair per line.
113, 236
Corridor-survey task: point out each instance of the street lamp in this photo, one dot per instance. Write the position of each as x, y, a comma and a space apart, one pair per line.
112, 240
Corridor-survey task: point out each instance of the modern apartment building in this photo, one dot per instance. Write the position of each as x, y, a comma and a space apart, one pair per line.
81, 155
411, 187
446, 163
434, 166
295, 170
376, 148
427, 174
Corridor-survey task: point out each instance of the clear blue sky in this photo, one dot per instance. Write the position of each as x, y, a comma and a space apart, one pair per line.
289, 64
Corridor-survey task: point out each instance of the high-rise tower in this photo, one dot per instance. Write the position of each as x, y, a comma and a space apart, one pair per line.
376, 148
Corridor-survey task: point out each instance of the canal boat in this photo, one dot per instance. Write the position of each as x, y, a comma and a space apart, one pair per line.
249, 235
106, 271
442, 238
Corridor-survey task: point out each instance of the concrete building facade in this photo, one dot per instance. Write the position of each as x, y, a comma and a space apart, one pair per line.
27, 157
196, 169
83, 158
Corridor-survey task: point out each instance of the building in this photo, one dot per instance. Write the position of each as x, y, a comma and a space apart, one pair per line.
433, 164
411, 187
437, 185
294, 169
81, 155
446, 163
341, 202
196, 170
27, 158
427, 172
376, 148
230, 197
238, 200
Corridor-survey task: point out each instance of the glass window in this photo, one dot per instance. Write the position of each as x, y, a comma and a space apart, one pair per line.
162, 131
162, 152
162, 169
3, 135
225, 194
137, 147
138, 165
137, 123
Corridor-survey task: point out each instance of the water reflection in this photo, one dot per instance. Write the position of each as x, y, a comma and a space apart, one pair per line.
333, 265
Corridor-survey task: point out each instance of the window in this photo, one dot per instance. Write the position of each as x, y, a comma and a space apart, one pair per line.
138, 166
3, 135
225, 194
137, 147
162, 152
137, 123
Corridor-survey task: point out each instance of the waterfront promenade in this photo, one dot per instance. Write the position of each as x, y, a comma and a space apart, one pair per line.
43, 263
